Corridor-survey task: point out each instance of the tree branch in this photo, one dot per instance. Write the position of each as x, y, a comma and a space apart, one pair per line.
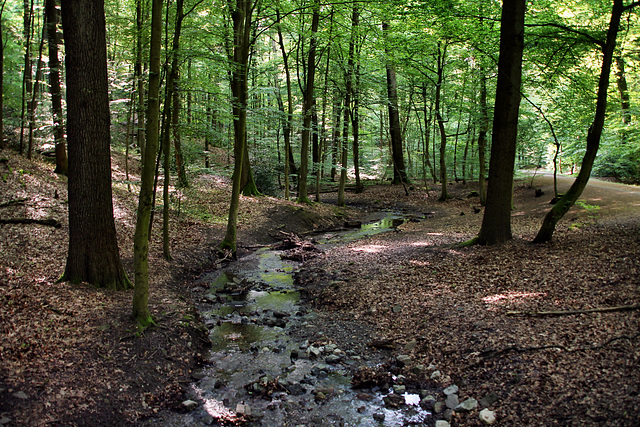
569, 312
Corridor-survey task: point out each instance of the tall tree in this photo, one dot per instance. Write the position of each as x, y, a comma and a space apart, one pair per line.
308, 106
595, 130
52, 20
145, 200
496, 223
241, 13
2, 78
93, 249
397, 153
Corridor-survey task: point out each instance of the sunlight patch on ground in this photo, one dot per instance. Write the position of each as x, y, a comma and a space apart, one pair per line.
371, 249
511, 297
420, 263
422, 244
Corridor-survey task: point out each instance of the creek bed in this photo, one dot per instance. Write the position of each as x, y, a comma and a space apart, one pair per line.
267, 366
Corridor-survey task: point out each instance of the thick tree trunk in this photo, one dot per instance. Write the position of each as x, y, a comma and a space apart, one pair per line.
444, 195
565, 203
62, 163
93, 255
145, 201
496, 223
139, 81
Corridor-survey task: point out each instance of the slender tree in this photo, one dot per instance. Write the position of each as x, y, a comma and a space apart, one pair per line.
2, 144
93, 249
241, 13
595, 130
52, 20
145, 201
308, 106
397, 151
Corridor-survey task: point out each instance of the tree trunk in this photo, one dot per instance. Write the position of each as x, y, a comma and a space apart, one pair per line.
621, 80
2, 143
335, 137
139, 81
397, 154
496, 223
93, 255
145, 201
286, 127
241, 16
444, 195
26, 77
593, 135
482, 139
308, 107
33, 103
53, 18
355, 119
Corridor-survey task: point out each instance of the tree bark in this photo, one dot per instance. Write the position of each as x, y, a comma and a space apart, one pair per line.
241, 15
565, 203
397, 154
442, 52
145, 201
2, 143
53, 18
482, 139
93, 255
496, 222
308, 107
286, 127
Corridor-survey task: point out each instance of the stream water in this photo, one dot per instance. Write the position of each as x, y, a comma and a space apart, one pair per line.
260, 374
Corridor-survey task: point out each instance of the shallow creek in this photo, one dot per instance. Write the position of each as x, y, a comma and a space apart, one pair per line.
261, 373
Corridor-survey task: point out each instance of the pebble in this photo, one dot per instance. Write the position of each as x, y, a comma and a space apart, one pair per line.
190, 404
243, 409
436, 375
403, 360
489, 400
442, 423
438, 407
20, 395
452, 401
487, 416
468, 405
452, 389
5, 420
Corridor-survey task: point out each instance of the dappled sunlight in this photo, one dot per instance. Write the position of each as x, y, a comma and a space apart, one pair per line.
371, 249
510, 298
419, 263
422, 244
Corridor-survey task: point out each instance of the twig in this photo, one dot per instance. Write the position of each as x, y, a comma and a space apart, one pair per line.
13, 202
568, 312
50, 222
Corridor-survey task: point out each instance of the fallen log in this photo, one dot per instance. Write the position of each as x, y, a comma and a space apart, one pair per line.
568, 312
49, 222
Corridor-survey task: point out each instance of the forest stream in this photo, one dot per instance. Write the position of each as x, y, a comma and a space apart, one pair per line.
267, 367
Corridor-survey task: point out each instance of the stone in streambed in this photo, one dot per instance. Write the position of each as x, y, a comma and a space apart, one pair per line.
487, 416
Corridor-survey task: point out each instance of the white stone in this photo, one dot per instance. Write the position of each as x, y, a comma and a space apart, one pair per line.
243, 409
190, 404
442, 423
487, 416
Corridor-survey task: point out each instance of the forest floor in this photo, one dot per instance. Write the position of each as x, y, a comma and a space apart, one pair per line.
71, 354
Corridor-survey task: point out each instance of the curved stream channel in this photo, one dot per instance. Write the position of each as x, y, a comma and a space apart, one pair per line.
260, 374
